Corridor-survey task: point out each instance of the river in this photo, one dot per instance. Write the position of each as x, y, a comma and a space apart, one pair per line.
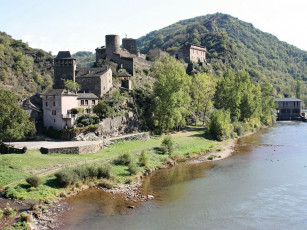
262, 186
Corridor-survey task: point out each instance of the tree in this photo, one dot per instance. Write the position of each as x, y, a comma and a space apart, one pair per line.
298, 90
220, 125
202, 93
171, 94
103, 110
14, 122
72, 86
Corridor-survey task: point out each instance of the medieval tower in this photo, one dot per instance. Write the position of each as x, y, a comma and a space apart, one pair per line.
64, 69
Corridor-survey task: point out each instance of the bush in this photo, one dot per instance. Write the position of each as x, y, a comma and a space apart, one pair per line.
240, 128
8, 211
132, 168
33, 203
143, 159
1, 212
92, 170
123, 159
87, 119
9, 192
66, 177
219, 125
25, 217
34, 181
167, 145
103, 110
104, 171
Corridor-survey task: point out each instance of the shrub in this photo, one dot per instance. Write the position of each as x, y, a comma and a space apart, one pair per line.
77, 110
1, 212
132, 168
8, 211
92, 170
9, 192
103, 110
66, 177
143, 159
33, 203
123, 159
24, 149
219, 125
167, 145
106, 184
104, 171
34, 181
25, 217
240, 128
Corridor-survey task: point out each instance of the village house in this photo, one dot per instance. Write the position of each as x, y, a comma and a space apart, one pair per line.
190, 52
289, 108
87, 101
58, 105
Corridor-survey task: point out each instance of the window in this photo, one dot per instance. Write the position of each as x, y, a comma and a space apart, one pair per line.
54, 120
53, 112
82, 102
86, 102
54, 103
93, 102
88, 111
46, 103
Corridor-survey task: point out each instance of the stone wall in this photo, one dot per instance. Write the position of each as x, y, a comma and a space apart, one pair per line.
124, 62
93, 148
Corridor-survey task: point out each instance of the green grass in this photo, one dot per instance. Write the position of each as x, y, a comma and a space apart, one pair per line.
16, 167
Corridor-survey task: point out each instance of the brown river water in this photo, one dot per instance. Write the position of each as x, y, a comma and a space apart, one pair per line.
262, 186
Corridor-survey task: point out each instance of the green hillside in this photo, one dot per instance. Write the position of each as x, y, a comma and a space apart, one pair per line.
23, 69
235, 44
84, 58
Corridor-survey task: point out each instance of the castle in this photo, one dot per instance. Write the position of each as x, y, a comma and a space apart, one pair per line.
127, 57
95, 81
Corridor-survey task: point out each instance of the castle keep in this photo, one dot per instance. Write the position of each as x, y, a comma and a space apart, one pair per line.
127, 57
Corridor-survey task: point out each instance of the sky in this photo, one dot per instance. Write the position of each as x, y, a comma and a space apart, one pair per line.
81, 25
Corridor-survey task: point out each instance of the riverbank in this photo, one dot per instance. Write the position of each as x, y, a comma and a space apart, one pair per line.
132, 194
191, 147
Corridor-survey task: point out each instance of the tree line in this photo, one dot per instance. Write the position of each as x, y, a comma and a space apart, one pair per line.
230, 105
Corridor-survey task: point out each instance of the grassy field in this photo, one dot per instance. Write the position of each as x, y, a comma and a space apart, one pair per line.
17, 167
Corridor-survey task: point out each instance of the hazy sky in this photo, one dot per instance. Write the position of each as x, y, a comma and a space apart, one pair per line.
78, 25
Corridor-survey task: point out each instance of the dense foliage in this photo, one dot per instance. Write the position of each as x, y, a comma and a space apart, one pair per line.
23, 69
232, 43
171, 94
14, 122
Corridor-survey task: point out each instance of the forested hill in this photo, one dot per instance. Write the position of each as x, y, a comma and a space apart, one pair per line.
23, 69
236, 44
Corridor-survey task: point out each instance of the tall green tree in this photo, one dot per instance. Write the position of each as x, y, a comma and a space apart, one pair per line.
202, 93
298, 90
171, 94
14, 122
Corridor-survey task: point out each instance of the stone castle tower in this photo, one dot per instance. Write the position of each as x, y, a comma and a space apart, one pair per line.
64, 69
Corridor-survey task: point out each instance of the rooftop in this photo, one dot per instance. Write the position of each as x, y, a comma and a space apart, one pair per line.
63, 55
286, 99
87, 96
58, 92
91, 72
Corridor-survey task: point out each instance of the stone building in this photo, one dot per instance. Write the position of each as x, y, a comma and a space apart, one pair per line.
95, 80
127, 57
64, 69
87, 101
289, 108
189, 52
92, 80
